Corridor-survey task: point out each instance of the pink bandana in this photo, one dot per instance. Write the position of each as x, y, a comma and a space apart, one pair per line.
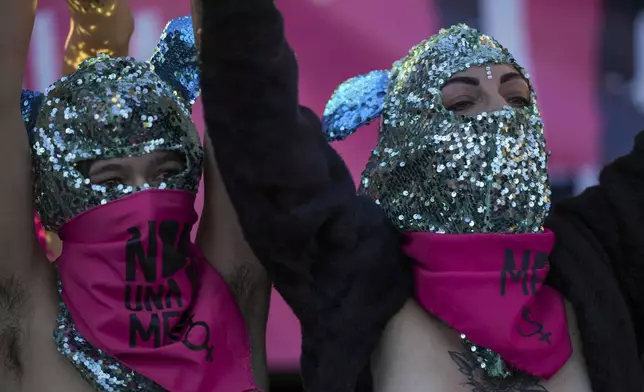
490, 288
138, 288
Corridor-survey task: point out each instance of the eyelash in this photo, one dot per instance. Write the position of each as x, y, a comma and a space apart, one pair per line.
111, 182
167, 173
459, 106
466, 104
522, 101
162, 175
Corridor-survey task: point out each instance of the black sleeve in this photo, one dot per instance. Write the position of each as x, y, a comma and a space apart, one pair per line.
332, 255
598, 263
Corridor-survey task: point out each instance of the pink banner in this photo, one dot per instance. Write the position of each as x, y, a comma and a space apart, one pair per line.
337, 39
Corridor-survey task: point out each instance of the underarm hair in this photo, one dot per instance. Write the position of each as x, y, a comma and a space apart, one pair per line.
12, 302
244, 281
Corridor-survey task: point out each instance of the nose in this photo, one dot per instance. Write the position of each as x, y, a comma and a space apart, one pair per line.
138, 180
495, 102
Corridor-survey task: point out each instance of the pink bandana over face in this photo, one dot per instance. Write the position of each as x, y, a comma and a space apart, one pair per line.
490, 288
139, 289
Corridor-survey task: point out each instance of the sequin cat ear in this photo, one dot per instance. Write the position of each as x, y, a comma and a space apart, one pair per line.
30, 103
175, 58
356, 102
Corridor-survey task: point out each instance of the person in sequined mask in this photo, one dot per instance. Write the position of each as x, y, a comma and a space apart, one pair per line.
116, 159
460, 170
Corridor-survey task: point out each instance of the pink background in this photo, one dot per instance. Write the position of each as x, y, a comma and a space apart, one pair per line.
337, 39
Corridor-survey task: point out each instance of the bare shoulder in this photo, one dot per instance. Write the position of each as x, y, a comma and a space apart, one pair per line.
29, 359
413, 354
419, 353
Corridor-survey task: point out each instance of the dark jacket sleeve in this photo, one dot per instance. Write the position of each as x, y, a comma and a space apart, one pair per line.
332, 255
598, 264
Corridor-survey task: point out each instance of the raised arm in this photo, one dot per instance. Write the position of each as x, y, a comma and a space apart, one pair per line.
16, 235
21, 252
29, 360
332, 255
17, 238
221, 240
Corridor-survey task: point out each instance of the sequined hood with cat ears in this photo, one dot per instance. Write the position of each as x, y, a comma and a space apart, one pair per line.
111, 108
433, 170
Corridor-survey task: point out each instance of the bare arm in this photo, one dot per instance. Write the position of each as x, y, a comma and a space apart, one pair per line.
332, 255
222, 241
16, 228
21, 252
97, 26
29, 360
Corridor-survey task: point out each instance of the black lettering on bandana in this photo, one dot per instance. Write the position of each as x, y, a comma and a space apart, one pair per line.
171, 331
172, 259
510, 271
174, 291
134, 252
159, 296
202, 345
534, 328
163, 301
138, 331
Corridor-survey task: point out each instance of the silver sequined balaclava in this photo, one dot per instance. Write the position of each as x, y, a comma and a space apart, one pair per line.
110, 108
438, 172
434, 171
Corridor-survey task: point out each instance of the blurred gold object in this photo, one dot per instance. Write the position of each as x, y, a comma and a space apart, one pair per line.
97, 26
91, 6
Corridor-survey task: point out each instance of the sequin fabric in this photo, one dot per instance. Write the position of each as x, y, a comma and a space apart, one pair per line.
175, 58
435, 171
108, 108
30, 105
355, 103
97, 368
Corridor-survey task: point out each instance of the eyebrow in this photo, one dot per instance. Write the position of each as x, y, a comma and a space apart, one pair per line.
472, 81
169, 156
462, 79
511, 76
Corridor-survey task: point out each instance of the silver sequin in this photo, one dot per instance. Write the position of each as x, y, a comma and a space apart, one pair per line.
111, 108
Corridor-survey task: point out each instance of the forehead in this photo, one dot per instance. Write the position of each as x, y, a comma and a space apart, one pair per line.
482, 70
438, 58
